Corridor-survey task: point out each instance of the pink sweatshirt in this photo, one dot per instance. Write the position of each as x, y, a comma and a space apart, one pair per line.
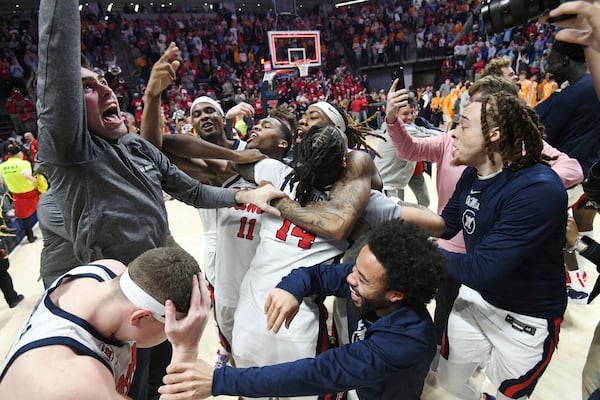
438, 149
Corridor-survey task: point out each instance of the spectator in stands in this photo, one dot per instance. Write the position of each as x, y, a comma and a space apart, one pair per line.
546, 87
13, 107
31, 145
28, 115
501, 66
573, 126
526, 91
445, 88
17, 72
15, 138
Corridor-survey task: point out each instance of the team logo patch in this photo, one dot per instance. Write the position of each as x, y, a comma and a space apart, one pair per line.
107, 351
468, 221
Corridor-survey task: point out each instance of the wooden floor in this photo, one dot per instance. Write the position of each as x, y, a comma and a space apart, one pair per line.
562, 379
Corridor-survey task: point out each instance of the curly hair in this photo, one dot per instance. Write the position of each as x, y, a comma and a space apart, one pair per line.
495, 66
321, 154
521, 137
165, 273
283, 113
413, 264
493, 84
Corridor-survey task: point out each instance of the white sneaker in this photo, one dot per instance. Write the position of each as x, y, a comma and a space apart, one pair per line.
577, 297
222, 360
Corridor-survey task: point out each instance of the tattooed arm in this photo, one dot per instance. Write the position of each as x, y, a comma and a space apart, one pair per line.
347, 200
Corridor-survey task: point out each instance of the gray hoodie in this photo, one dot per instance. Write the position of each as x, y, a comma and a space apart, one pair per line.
109, 192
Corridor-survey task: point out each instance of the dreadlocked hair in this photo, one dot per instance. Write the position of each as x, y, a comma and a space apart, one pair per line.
320, 156
357, 132
522, 133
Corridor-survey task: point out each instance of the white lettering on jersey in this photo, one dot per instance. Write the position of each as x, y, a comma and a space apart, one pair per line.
472, 202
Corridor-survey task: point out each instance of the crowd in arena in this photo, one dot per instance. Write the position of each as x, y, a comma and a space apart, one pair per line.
288, 189
221, 51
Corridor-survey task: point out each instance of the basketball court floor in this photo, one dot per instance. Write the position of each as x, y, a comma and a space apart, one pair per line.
562, 379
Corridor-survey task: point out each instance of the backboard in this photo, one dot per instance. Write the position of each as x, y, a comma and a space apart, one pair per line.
287, 47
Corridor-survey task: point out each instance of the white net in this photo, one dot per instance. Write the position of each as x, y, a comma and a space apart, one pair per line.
302, 66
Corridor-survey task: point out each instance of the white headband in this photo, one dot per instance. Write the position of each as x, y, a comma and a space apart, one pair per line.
333, 114
141, 299
206, 99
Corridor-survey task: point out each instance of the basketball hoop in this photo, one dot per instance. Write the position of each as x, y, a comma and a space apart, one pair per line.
302, 66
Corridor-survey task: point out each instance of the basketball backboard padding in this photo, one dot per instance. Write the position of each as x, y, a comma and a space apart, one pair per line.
284, 7
286, 47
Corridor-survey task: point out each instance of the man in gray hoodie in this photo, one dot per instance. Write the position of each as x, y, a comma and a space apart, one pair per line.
108, 184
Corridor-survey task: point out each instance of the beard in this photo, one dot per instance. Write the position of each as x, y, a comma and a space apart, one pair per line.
456, 161
368, 305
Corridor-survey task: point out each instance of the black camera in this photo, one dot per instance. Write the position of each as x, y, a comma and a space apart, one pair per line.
500, 15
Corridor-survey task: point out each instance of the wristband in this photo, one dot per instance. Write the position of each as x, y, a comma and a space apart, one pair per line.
580, 246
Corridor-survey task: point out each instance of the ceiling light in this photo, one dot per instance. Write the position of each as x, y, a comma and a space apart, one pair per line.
348, 3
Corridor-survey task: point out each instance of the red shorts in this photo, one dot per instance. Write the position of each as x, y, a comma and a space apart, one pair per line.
25, 203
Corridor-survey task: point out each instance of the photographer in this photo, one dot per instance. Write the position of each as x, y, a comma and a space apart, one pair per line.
572, 125
589, 249
584, 29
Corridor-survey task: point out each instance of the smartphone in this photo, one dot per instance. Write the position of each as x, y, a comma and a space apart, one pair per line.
398, 73
564, 17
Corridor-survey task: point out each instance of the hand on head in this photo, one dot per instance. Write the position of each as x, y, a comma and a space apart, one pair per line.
185, 333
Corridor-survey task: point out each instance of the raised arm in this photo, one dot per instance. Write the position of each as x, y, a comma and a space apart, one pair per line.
162, 76
61, 112
181, 146
409, 147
